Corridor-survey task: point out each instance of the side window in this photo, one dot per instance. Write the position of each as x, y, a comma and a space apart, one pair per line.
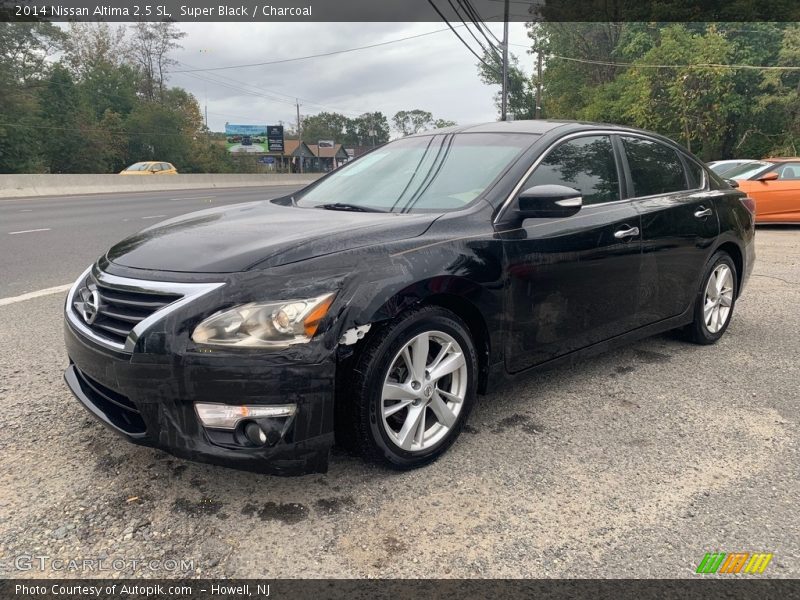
696, 175
586, 164
155, 167
165, 167
655, 168
789, 171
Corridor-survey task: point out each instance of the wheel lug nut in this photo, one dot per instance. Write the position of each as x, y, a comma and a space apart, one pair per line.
416, 385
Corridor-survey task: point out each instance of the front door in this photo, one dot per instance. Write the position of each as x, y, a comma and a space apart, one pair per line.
572, 282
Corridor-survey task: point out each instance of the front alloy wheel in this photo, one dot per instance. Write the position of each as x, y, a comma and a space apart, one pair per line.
410, 389
424, 391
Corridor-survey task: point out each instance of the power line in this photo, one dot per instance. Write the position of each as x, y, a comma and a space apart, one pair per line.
310, 56
474, 37
453, 29
94, 129
478, 20
676, 66
252, 92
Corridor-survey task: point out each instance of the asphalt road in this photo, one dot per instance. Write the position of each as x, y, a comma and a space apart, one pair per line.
632, 464
48, 241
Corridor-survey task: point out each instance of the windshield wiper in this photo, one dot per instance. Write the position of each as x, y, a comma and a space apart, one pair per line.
351, 207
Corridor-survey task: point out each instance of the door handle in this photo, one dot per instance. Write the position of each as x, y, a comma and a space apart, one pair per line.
626, 233
703, 212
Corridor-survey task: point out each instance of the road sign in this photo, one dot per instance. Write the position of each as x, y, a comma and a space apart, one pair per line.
275, 138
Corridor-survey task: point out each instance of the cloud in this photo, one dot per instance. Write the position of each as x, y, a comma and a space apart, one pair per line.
434, 72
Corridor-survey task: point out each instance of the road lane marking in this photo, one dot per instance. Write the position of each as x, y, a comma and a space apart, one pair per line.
26, 210
27, 231
154, 216
194, 198
31, 295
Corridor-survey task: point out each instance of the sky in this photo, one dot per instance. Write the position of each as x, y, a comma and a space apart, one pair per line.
434, 73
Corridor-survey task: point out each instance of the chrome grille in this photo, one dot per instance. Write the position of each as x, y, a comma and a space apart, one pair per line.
116, 311
113, 312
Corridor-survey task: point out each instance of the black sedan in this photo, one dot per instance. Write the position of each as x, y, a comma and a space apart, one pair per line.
376, 303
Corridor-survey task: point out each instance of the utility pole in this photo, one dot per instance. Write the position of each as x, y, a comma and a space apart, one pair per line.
299, 133
538, 112
504, 98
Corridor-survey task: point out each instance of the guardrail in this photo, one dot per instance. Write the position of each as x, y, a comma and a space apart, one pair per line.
16, 186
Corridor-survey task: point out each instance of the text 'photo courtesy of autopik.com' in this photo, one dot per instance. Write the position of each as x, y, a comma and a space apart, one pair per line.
398, 299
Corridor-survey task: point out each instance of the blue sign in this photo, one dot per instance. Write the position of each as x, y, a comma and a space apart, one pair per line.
266, 160
245, 129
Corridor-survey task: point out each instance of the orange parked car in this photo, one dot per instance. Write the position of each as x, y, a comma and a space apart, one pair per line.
774, 183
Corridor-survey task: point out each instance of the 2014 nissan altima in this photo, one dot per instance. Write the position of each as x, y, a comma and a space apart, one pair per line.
376, 303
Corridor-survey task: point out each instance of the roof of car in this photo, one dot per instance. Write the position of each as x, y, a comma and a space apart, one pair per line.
783, 159
538, 126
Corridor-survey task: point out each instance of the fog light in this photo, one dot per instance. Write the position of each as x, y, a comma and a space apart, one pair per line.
255, 434
227, 416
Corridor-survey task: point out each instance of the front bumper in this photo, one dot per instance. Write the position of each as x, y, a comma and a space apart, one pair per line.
149, 400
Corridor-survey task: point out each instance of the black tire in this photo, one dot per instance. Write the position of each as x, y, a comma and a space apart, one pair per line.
359, 420
698, 332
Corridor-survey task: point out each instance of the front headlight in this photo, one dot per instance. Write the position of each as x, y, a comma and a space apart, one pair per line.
264, 324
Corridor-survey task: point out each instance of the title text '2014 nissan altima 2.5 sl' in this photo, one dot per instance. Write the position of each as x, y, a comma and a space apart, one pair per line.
375, 303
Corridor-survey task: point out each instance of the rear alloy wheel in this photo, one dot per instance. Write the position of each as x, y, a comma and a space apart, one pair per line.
411, 389
718, 299
715, 302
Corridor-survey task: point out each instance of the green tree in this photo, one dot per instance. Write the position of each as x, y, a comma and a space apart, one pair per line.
64, 125
24, 50
521, 93
87, 46
408, 122
150, 48
369, 129
324, 126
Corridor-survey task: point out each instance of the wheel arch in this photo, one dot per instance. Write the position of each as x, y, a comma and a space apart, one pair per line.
464, 297
737, 256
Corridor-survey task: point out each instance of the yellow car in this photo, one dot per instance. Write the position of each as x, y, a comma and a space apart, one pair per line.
150, 167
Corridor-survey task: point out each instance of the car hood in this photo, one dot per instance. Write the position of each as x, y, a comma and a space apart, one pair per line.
258, 234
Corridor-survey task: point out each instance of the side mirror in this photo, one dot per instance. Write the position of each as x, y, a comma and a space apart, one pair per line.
732, 182
771, 176
549, 202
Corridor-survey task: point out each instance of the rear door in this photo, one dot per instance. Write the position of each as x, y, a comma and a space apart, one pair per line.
679, 224
572, 281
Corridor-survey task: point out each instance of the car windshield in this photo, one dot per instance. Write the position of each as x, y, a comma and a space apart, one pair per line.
724, 167
747, 170
140, 166
431, 173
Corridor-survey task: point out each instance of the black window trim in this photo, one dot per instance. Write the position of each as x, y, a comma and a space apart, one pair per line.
565, 138
682, 157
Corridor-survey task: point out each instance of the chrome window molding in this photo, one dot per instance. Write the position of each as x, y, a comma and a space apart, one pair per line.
592, 132
189, 292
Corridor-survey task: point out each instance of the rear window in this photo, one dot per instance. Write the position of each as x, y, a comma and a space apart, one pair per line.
695, 172
655, 168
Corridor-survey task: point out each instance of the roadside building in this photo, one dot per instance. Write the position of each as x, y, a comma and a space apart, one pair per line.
327, 159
